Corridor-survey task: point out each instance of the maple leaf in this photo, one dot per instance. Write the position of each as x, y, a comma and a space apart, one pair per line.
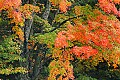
12, 3
63, 5
84, 52
55, 2
108, 6
1, 4
115, 66
17, 16
61, 40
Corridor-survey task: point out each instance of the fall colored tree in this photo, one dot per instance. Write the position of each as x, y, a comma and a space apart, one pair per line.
93, 35
59, 39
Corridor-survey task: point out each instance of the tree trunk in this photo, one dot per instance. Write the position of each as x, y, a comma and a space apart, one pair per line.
47, 10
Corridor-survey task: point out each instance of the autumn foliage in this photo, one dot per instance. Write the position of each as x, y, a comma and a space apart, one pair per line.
109, 6
17, 13
9, 49
63, 4
72, 34
99, 32
94, 38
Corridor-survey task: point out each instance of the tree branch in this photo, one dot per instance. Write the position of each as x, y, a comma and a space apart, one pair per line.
63, 23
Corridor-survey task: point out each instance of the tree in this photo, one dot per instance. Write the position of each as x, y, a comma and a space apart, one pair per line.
56, 39
92, 37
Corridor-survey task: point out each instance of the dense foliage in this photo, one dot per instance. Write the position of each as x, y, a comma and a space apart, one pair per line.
59, 39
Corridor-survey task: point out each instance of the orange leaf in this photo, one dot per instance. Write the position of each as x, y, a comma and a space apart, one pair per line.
115, 66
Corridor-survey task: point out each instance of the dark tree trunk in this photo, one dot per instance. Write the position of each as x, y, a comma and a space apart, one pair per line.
26, 53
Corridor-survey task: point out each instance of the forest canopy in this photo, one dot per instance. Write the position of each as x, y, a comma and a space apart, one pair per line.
59, 39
